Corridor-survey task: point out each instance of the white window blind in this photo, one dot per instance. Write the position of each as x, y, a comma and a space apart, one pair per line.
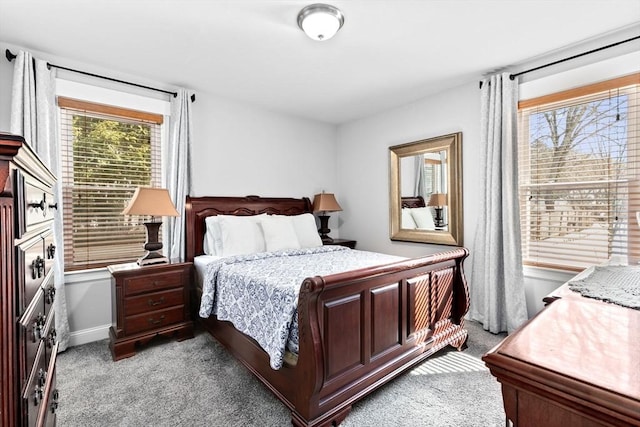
578, 175
107, 152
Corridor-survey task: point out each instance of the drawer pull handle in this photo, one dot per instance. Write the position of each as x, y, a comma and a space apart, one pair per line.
153, 303
156, 322
54, 403
50, 294
37, 395
42, 204
51, 251
37, 267
51, 338
54, 206
38, 324
42, 377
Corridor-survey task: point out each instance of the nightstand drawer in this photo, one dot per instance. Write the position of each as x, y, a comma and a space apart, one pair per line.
153, 301
153, 282
154, 320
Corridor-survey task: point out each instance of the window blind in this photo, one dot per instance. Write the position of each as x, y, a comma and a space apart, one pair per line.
578, 175
107, 152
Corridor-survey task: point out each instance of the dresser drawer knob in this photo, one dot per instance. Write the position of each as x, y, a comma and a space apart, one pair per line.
42, 377
50, 295
51, 338
54, 404
152, 321
153, 303
38, 324
51, 251
37, 395
37, 267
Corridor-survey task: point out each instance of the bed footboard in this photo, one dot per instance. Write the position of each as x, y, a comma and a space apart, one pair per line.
360, 329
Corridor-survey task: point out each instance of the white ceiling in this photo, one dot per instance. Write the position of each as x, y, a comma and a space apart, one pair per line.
387, 54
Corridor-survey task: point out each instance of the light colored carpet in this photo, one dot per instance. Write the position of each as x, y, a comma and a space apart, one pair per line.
197, 383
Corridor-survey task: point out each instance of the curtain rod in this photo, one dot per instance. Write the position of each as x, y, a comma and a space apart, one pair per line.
513, 76
11, 56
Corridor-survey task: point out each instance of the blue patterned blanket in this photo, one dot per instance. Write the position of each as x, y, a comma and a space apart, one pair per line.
258, 293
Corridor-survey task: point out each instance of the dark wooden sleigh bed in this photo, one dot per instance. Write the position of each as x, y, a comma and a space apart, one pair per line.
357, 330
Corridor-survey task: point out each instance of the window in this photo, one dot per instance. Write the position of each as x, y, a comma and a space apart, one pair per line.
578, 175
106, 153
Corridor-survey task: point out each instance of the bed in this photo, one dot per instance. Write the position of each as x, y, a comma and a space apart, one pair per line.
356, 330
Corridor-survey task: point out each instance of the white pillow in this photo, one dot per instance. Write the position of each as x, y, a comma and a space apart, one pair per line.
279, 233
306, 230
240, 235
423, 218
406, 220
212, 239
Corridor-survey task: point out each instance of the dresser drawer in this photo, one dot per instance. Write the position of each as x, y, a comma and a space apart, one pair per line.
39, 204
152, 282
154, 320
31, 332
33, 393
31, 270
153, 301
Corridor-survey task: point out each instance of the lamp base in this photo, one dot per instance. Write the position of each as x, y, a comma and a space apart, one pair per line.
153, 246
152, 258
324, 229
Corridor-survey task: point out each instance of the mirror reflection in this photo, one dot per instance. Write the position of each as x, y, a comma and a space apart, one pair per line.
425, 193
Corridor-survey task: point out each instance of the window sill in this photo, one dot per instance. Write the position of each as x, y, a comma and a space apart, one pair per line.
549, 274
81, 276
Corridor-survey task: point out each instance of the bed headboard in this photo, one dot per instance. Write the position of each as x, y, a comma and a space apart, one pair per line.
412, 202
198, 208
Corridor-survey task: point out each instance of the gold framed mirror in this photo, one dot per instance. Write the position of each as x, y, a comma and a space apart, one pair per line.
425, 194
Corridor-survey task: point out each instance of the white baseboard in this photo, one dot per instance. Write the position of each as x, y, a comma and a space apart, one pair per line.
86, 336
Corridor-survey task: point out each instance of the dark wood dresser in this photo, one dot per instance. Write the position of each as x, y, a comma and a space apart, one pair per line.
576, 363
147, 302
28, 347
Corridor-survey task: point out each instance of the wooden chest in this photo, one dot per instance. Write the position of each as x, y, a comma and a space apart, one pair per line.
28, 344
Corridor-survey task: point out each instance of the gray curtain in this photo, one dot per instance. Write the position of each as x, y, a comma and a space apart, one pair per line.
177, 177
497, 282
420, 180
34, 116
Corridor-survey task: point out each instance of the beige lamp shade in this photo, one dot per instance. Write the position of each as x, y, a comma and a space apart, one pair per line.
325, 202
437, 199
151, 201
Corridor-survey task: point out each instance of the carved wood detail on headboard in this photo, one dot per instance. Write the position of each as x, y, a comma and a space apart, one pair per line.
412, 202
197, 209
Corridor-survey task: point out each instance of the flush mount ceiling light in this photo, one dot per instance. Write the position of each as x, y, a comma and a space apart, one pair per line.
320, 21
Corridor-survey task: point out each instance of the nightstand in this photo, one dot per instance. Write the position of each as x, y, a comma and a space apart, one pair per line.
147, 302
343, 242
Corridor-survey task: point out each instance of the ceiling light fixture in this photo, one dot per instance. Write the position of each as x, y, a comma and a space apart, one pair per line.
320, 21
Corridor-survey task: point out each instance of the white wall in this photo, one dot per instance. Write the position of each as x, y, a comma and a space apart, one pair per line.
363, 165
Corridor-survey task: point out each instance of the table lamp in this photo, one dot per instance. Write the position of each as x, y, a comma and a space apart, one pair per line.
438, 200
325, 202
152, 202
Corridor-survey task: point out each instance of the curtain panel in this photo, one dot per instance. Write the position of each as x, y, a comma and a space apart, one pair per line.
177, 177
497, 280
34, 116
